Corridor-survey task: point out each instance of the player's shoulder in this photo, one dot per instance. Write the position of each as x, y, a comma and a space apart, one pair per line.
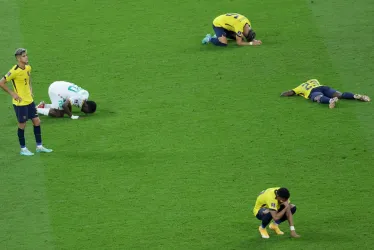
15, 68
13, 71
28, 67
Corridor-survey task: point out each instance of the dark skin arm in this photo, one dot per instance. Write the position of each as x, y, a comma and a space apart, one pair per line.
56, 113
288, 93
67, 108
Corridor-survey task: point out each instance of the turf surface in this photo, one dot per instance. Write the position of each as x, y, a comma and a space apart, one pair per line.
186, 135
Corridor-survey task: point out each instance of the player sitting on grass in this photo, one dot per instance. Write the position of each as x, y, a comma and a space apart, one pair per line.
63, 95
316, 92
232, 26
274, 204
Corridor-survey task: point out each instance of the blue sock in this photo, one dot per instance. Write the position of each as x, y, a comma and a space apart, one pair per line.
21, 137
348, 95
216, 42
324, 100
38, 135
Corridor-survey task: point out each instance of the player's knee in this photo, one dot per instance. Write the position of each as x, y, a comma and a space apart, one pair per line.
293, 208
265, 211
222, 39
22, 125
36, 121
337, 94
317, 98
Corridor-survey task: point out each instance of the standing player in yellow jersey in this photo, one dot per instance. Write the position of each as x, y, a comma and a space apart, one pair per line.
232, 26
274, 204
313, 90
23, 102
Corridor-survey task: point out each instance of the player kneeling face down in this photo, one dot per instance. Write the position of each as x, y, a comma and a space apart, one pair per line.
63, 96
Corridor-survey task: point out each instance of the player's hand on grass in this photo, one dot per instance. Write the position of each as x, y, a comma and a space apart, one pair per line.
74, 117
256, 42
16, 97
294, 234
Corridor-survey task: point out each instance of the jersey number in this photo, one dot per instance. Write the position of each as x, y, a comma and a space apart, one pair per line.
233, 14
25, 81
74, 88
307, 86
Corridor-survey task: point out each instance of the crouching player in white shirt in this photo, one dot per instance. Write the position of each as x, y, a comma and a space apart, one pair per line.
63, 96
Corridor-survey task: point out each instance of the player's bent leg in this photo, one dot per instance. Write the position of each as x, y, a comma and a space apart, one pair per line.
220, 38
265, 216
43, 111
219, 41
338, 95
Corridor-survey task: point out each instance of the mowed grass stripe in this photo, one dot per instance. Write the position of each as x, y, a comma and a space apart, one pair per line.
25, 222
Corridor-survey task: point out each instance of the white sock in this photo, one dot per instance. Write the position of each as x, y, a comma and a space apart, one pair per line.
43, 111
47, 105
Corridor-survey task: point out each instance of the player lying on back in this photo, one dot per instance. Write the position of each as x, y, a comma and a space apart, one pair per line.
232, 26
316, 92
274, 204
63, 96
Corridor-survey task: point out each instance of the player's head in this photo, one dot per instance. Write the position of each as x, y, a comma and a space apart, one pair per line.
21, 55
249, 33
282, 194
89, 107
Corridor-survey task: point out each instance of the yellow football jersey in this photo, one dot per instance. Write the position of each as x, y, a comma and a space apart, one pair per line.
305, 88
266, 199
21, 84
232, 22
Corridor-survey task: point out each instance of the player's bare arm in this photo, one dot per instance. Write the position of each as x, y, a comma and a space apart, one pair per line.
241, 42
67, 108
288, 93
290, 221
278, 215
6, 89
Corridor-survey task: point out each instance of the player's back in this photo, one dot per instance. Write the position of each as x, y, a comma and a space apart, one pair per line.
264, 198
306, 88
67, 89
230, 20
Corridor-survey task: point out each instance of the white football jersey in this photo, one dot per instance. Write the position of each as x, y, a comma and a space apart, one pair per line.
63, 91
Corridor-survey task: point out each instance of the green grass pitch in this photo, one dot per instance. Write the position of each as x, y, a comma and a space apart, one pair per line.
186, 135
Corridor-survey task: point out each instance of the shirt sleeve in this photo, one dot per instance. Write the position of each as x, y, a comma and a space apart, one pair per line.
239, 29
10, 75
272, 204
74, 101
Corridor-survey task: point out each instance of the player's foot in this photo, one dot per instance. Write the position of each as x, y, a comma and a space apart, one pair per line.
206, 39
40, 105
333, 102
26, 152
214, 36
263, 232
41, 149
363, 98
275, 227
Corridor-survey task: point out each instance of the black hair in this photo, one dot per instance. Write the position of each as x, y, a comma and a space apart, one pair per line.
19, 52
251, 35
91, 106
283, 193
